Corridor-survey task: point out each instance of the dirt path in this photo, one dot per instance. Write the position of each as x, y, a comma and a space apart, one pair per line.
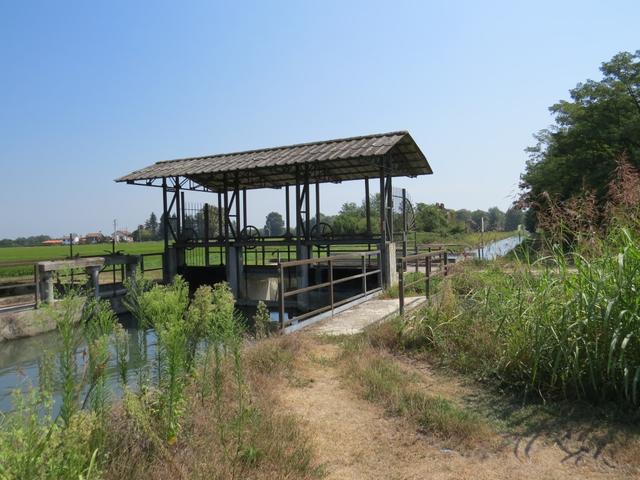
356, 439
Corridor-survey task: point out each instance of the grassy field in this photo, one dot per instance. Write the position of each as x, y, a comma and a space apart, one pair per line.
18, 254
10, 256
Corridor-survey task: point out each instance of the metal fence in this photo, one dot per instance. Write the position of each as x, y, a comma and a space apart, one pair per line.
369, 264
420, 261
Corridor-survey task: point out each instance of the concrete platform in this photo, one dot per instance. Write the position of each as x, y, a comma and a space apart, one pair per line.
355, 319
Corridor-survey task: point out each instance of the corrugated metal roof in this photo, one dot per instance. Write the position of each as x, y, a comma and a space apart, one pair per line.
327, 161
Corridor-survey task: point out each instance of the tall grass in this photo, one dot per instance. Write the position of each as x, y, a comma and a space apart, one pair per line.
566, 325
196, 398
34, 443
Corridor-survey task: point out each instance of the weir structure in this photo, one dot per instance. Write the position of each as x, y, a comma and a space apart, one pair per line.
214, 242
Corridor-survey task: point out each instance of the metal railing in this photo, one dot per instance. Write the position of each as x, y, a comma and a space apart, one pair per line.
147, 268
367, 269
437, 258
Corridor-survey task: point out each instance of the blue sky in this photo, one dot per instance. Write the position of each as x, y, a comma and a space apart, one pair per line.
92, 90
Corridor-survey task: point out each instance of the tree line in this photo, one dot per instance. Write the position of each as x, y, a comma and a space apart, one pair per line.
24, 241
593, 133
351, 219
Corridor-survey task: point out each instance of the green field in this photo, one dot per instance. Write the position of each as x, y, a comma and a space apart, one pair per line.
13, 255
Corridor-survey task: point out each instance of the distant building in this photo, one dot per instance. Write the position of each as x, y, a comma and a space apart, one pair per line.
52, 242
93, 238
73, 238
123, 236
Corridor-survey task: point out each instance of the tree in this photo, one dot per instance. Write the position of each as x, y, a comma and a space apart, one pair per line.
476, 219
578, 153
431, 218
350, 220
152, 223
161, 226
196, 222
512, 218
274, 224
495, 219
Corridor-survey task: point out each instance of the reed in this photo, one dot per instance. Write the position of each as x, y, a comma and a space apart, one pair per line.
565, 325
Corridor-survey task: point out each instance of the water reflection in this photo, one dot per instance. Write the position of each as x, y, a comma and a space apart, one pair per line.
20, 361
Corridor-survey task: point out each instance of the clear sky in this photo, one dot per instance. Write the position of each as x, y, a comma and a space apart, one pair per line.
92, 90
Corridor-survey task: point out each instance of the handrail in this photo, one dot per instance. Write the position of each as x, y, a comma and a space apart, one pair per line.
428, 259
330, 261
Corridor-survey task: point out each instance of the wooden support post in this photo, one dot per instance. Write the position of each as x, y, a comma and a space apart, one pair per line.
364, 275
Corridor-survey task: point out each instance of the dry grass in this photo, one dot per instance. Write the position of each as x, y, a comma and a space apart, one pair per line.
378, 377
272, 444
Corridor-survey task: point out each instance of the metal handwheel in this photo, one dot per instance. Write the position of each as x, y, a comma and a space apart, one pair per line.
320, 232
250, 234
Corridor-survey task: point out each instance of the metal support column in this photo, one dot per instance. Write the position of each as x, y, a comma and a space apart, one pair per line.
206, 234
367, 205
287, 232
404, 222
178, 208
317, 203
